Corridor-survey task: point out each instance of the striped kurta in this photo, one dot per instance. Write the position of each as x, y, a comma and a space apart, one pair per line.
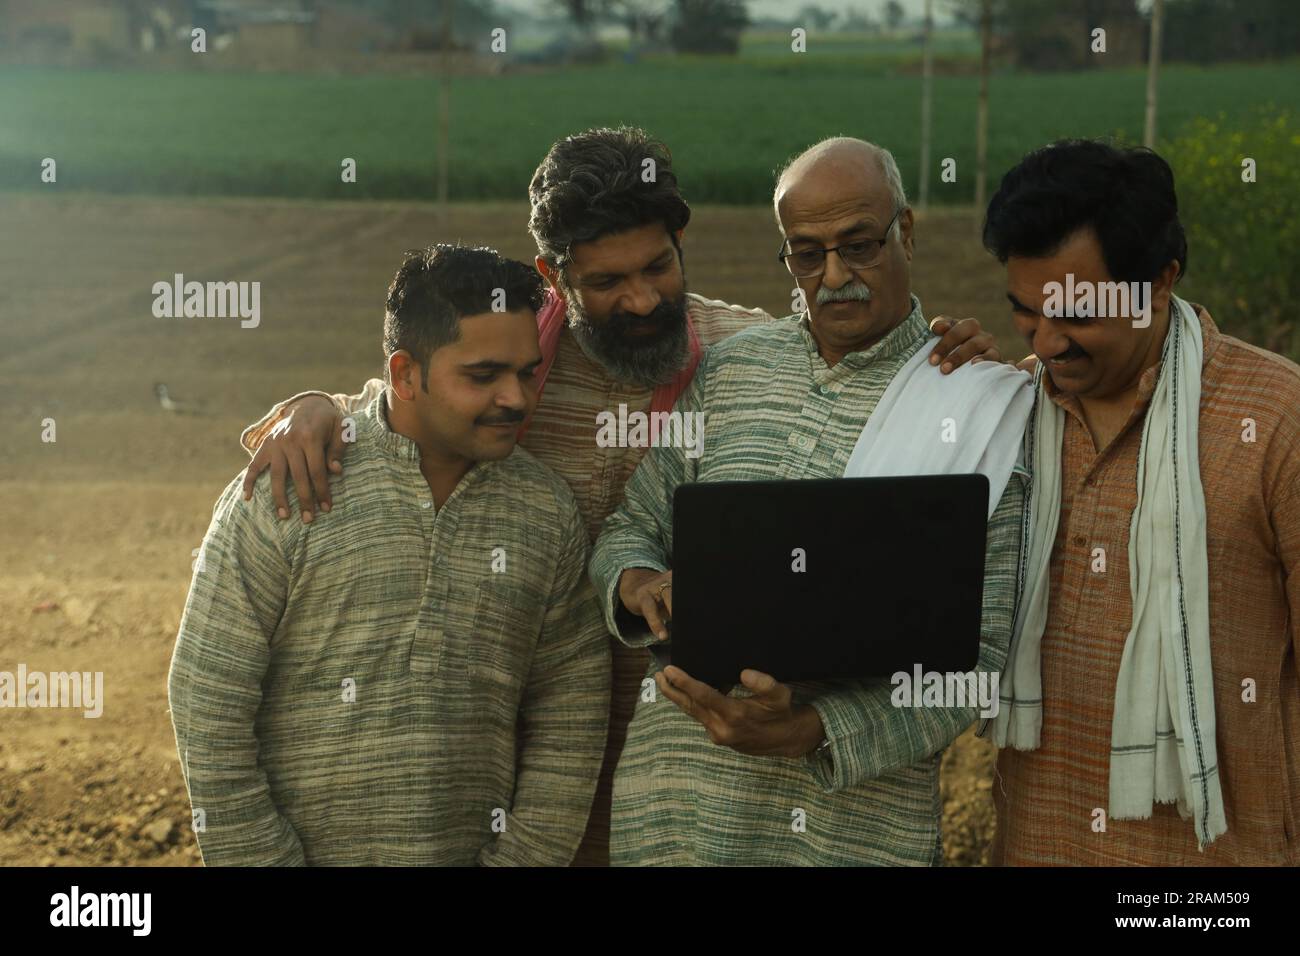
395, 683
1249, 435
774, 410
562, 435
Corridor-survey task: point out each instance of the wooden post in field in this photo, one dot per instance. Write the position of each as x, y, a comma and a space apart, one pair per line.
927, 82
1153, 66
982, 115
444, 107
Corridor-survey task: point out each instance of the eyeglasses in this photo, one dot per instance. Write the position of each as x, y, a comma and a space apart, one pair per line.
858, 254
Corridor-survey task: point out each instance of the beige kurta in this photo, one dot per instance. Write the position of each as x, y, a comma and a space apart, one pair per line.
775, 410
395, 683
563, 435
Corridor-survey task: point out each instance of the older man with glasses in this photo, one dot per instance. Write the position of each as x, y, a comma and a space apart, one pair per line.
809, 262
829, 772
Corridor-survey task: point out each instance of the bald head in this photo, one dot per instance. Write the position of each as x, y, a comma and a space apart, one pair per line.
840, 164
846, 195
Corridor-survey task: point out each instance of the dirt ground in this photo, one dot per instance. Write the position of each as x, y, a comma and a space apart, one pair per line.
97, 528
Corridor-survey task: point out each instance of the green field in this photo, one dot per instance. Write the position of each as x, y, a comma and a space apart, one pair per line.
904, 45
729, 122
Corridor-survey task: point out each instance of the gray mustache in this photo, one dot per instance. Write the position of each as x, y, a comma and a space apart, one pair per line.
853, 292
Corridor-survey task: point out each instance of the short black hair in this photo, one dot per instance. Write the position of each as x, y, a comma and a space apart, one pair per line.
437, 286
594, 184
1126, 195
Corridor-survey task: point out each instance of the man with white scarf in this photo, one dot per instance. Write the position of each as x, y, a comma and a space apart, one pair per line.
846, 388
1150, 706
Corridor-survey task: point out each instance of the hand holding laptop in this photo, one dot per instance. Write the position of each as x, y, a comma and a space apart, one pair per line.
768, 724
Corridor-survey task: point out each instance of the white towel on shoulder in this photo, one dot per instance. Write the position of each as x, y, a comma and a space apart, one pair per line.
927, 423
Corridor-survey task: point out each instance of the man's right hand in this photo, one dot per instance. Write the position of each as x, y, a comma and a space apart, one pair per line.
299, 445
648, 594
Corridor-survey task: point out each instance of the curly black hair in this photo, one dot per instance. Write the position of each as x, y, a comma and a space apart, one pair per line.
598, 183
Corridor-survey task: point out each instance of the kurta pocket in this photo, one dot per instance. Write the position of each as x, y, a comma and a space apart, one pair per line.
501, 646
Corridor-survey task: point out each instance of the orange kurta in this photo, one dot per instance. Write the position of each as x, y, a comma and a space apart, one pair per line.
1045, 798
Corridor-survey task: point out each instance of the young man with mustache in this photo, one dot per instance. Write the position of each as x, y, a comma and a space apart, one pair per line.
418, 677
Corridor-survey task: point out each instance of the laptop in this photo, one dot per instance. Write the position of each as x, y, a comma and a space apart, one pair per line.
828, 579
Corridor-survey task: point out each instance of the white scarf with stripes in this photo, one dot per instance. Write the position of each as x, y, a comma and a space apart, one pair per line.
1162, 732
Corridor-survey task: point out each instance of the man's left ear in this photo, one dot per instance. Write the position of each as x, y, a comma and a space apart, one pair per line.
905, 222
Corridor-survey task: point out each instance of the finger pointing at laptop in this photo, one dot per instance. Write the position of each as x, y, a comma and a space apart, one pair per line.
764, 725
648, 594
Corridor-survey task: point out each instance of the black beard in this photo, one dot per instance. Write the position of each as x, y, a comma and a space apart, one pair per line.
646, 360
